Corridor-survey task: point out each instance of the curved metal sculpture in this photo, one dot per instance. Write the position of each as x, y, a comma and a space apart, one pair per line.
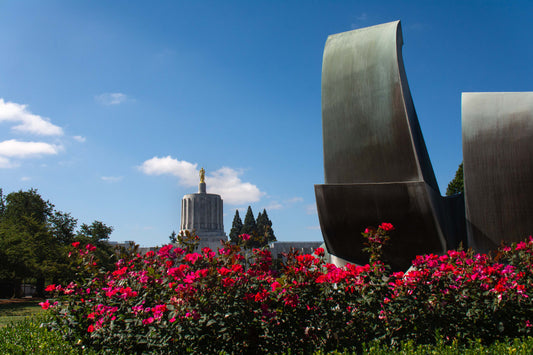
375, 160
498, 173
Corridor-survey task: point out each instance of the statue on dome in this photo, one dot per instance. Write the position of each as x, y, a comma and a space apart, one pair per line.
202, 176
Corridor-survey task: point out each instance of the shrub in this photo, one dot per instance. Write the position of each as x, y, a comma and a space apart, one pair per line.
29, 337
238, 301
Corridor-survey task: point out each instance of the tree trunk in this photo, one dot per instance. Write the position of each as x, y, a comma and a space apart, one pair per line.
17, 289
39, 287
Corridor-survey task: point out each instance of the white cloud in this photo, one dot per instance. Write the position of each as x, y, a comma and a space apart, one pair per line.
17, 149
224, 181
311, 209
362, 17
295, 200
25, 178
274, 206
360, 21
313, 227
80, 139
6, 163
111, 98
26, 121
112, 178
186, 172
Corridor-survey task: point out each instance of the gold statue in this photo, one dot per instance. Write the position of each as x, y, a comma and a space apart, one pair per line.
202, 175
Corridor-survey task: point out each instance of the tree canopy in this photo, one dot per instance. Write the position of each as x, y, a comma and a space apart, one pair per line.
249, 226
456, 186
34, 238
264, 227
236, 228
260, 229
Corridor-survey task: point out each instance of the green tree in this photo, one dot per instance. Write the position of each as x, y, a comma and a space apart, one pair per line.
264, 227
2, 204
236, 228
173, 238
63, 227
16, 253
249, 226
456, 186
27, 204
29, 248
34, 239
98, 234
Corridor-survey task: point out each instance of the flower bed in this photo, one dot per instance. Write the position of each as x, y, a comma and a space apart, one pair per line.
237, 300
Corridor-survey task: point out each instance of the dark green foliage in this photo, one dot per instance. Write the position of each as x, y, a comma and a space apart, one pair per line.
260, 229
98, 234
28, 245
237, 302
257, 239
29, 336
173, 237
34, 238
63, 226
456, 186
22, 205
236, 228
2, 204
264, 227
249, 227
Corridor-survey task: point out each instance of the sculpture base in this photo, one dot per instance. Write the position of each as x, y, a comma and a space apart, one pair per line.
417, 211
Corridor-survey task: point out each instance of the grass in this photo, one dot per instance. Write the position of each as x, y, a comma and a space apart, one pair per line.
521, 346
29, 337
18, 310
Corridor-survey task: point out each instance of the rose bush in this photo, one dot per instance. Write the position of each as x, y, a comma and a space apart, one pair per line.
236, 300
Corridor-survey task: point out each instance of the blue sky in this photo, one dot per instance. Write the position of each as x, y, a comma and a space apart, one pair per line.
110, 108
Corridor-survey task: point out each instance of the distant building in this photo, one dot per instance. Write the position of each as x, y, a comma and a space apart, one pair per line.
203, 214
278, 248
130, 245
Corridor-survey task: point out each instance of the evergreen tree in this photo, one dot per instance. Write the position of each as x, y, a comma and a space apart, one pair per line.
264, 227
173, 237
249, 227
236, 228
261, 223
456, 186
2, 204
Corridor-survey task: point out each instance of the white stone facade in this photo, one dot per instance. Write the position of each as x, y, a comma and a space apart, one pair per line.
203, 214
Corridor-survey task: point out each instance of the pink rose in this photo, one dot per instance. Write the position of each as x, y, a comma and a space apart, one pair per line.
386, 227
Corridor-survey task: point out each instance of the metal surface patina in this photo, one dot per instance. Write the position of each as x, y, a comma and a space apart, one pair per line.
376, 164
498, 169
